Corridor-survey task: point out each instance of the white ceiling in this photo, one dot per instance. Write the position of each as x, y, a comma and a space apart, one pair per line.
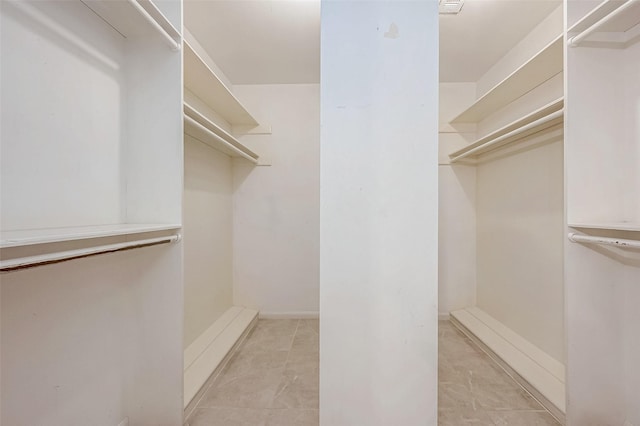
483, 32
278, 41
259, 42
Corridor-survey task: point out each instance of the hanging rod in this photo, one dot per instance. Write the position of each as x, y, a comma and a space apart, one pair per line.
220, 140
512, 133
575, 40
174, 45
63, 256
588, 239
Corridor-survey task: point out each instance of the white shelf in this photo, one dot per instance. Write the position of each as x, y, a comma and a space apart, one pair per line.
540, 120
54, 235
621, 30
205, 84
200, 127
133, 17
540, 68
612, 226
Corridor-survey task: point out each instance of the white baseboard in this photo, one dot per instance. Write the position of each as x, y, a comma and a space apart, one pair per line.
209, 350
443, 316
290, 315
532, 368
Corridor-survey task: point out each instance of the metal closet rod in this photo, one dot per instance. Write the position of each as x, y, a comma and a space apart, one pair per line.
575, 40
64, 256
174, 45
618, 242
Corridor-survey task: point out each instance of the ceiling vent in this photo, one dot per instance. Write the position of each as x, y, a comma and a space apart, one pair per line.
450, 7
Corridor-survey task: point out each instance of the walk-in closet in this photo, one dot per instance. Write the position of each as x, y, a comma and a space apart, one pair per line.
310, 212
251, 189
538, 210
501, 194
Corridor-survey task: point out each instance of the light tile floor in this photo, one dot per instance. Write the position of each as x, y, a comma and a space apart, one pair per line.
473, 389
272, 379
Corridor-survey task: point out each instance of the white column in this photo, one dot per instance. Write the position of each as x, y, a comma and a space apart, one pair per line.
379, 213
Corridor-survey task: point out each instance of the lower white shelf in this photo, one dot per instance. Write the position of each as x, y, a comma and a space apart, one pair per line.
613, 226
534, 369
26, 237
208, 353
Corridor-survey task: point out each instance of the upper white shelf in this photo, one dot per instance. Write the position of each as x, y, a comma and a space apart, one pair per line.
133, 17
541, 67
200, 127
612, 226
542, 119
205, 84
54, 235
613, 23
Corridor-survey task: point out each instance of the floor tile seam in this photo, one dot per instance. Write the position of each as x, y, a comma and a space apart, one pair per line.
496, 364
483, 383
279, 390
288, 408
234, 407
292, 340
284, 378
514, 410
260, 339
259, 371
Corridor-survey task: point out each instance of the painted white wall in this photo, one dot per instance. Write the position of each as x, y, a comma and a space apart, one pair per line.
597, 374
276, 206
94, 340
453, 99
611, 104
379, 213
208, 237
603, 185
457, 238
545, 32
520, 210
520, 205
631, 349
37, 80
456, 201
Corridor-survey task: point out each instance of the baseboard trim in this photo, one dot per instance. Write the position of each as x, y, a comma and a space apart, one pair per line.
290, 315
533, 369
443, 317
207, 355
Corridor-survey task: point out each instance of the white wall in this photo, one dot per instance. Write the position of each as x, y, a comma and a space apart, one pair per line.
520, 210
603, 385
94, 340
208, 237
520, 217
379, 213
603, 190
89, 341
276, 206
456, 200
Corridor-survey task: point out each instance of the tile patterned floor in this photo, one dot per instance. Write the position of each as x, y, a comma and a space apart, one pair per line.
273, 380
473, 389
